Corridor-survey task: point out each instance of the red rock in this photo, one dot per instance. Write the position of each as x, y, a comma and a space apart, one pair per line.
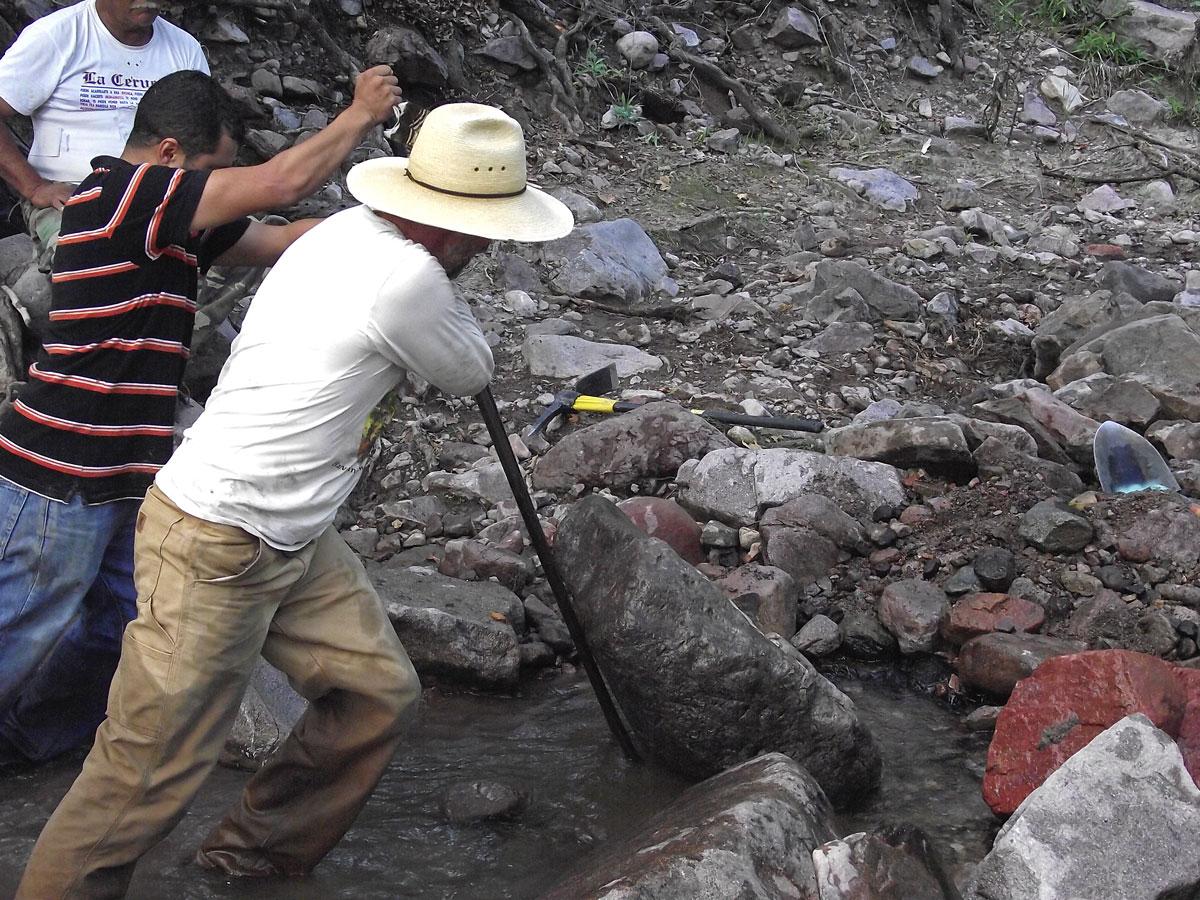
982, 613
994, 663
1063, 705
766, 594
1189, 729
916, 515
668, 521
1106, 251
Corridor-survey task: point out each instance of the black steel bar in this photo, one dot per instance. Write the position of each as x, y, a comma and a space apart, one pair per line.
516, 481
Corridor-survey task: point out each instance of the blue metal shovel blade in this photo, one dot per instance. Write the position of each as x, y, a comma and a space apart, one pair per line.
1127, 462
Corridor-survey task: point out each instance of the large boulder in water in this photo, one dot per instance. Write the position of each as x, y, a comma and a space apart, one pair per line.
747, 833
700, 686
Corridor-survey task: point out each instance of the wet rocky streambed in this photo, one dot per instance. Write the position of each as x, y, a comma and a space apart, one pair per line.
550, 742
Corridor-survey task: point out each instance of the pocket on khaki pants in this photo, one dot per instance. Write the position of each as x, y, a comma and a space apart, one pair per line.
140, 688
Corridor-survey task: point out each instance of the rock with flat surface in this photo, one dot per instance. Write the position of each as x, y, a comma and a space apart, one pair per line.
1063, 705
566, 356
882, 187
612, 261
649, 442
841, 337
935, 444
747, 833
994, 663
700, 687
459, 630
795, 28
1053, 527
735, 485
913, 610
1138, 107
767, 594
1119, 819
412, 58
886, 298
1141, 284
1073, 320
668, 521
1161, 33
983, 613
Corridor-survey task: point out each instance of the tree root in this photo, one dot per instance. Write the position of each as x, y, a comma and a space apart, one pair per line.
563, 102
715, 75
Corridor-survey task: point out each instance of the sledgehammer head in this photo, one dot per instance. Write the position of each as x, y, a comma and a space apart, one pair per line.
594, 384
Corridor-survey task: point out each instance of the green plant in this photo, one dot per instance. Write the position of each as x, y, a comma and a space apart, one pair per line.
650, 137
1007, 15
1057, 12
594, 65
1104, 46
1180, 113
625, 111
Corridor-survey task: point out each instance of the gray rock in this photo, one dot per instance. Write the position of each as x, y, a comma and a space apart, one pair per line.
1142, 284
896, 862
734, 485
913, 610
996, 459
583, 209
549, 626
1159, 352
16, 254
412, 58
509, 50
841, 337
480, 801
484, 482
1138, 107
1062, 434
960, 127
649, 442
448, 627
923, 68
1181, 440
882, 187
820, 515
805, 555
933, 443
833, 305
270, 709
995, 567
1163, 34
266, 143
1034, 111
960, 197
639, 48
565, 356
976, 431
267, 83
1053, 527
474, 560
221, 30
887, 298
748, 833
795, 28
726, 140
303, 89
1103, 199
767, 595
1075, 319
700, 687
612, 261
864, 637
707, 233
1109, 822
976, 221
32, 299
819, 637
1122, 400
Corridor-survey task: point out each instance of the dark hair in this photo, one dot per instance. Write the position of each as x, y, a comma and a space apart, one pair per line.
190, 107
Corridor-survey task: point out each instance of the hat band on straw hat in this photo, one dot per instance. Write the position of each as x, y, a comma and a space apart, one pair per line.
433, 187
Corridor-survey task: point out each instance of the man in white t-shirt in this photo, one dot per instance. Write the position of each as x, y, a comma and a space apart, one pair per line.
236, 553
79, 74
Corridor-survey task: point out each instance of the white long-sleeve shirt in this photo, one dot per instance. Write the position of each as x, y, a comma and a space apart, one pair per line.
348, 308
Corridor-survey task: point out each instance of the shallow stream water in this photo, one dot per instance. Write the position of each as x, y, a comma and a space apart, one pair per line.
551, 742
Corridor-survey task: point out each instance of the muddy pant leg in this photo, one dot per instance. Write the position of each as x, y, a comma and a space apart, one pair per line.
206, 595
334, 640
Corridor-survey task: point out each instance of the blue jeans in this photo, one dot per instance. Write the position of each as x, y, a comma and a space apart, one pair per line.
66, 595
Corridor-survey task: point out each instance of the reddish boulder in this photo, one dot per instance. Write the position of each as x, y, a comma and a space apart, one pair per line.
994, 663
1067, 702
668, 521
767, 595
1189, 729
978, 614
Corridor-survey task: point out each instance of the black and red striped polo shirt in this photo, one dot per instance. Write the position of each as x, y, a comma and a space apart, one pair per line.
97, 416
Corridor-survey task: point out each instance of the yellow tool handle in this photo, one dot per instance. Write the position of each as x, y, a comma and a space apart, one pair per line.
593, 404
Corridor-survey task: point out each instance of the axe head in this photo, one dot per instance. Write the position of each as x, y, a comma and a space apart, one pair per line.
593, 384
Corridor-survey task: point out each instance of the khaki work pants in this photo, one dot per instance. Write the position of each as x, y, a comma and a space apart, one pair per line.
210, 599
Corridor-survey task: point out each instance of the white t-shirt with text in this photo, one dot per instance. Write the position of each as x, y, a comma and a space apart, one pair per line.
345, 312
80, 85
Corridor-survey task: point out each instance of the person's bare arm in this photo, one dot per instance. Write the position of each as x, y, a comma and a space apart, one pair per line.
291, 176
20, 175
262, 245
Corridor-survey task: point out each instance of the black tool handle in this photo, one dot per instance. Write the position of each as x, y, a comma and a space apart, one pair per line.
516, 481
785, 423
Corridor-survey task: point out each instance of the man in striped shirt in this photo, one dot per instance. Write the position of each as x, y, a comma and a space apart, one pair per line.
85, 438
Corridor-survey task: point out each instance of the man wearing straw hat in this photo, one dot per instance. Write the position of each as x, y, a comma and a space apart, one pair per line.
236, 553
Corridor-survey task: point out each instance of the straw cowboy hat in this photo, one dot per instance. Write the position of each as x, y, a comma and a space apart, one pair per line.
466, 173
